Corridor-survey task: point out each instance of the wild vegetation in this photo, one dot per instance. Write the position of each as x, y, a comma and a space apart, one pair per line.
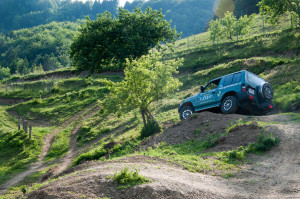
106, 135
105, 43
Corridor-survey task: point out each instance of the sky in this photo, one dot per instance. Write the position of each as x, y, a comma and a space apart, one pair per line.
122, 2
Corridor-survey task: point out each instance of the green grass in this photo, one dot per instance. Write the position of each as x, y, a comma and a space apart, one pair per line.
127, 178
272, 56
50, 86
17, 151
60, 145
59, 108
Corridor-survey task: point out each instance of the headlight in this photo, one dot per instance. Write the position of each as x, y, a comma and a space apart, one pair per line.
251, 91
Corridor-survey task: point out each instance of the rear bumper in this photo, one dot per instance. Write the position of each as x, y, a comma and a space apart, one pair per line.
253, 104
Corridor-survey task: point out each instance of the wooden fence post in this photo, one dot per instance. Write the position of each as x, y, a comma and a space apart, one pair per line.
30, 130
24, 125
43, 88
19, 124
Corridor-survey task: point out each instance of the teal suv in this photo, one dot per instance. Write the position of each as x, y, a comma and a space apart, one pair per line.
241, 89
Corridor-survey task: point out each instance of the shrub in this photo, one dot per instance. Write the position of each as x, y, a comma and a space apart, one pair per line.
127, 178
91, 155
150, 129
265, 143
88, 81
55, 89
211, 141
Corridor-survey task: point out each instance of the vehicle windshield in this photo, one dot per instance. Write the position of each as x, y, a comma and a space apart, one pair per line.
254, 79
212, 85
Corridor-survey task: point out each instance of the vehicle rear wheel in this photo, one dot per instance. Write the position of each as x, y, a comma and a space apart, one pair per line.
229, 105
186, 112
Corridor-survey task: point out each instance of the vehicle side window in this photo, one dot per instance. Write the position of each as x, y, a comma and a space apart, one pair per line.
228, 80
211, 86
237, 78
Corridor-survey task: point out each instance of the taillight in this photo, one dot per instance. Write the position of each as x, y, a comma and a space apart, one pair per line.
244, 88
270, 106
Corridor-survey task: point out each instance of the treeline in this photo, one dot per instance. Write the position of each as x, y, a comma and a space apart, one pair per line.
17, 14
41, 48
189, 16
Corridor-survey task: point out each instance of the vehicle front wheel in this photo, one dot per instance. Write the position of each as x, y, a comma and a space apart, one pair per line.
229, 105
186, 112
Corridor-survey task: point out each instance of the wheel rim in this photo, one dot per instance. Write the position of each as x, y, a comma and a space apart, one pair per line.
186, 114
227, 105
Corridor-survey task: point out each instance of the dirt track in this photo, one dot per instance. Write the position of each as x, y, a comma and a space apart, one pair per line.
48, 140
273, 175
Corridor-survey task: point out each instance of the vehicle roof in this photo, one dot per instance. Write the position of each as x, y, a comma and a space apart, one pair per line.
227, 75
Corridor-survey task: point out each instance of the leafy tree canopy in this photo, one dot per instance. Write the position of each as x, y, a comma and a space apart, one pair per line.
275, 8
4, 73
44, 47
230, 26
108, 41
146, 80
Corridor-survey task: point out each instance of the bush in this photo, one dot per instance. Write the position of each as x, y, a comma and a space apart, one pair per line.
211, 141
55, 90
91, 155
265, 143
127, 178
150, 129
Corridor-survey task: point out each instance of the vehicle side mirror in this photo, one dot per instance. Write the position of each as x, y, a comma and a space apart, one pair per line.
202, 89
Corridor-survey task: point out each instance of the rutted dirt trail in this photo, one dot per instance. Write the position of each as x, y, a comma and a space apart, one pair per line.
272, 175
48, 140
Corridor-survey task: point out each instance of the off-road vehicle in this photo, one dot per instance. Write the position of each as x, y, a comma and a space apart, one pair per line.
241, 89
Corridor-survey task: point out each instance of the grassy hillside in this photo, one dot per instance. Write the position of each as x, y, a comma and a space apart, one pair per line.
274, 56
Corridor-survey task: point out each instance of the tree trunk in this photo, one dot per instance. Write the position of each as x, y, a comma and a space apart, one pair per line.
150, 116
143, 116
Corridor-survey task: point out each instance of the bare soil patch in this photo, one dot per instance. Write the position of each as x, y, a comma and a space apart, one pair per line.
93, 182
240, 135
199, 126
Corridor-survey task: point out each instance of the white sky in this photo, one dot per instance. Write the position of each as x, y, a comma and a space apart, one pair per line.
122, 2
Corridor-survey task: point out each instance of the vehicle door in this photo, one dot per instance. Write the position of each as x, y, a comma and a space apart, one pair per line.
208, 96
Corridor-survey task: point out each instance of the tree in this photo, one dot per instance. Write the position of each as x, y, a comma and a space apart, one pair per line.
216, 30
229, 26
4, 73
244, 23
146, 80
108, 41
275, 8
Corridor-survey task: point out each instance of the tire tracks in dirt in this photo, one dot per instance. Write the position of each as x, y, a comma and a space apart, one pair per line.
48, 140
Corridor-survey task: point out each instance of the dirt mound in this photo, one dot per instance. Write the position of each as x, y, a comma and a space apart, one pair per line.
240, 135
167, 182
199, 126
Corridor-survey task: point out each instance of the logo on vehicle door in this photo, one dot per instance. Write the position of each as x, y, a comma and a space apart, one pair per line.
206, 97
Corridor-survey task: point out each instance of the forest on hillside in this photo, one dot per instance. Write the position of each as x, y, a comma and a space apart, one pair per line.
189, 16
35, 35
41, 48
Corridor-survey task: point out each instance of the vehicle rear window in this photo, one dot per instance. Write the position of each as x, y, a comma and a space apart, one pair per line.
227, 80
254, 79
237, 78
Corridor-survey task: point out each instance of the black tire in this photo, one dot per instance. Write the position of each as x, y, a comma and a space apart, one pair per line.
186, 112
229, 105
267, 91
